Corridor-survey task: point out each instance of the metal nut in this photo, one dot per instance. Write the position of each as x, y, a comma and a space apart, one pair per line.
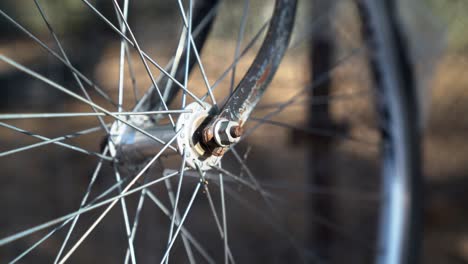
227, 132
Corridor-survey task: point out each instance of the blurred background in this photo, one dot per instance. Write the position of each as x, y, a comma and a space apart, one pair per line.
43, 183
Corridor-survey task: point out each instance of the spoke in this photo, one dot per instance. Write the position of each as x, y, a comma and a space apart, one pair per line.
125, 217
53, 53
131, 71
245, 157
322, 99
215, 215
253, 41
184, 231
236, 61
140, 53
317, 23
46, 140
68, 115
136, 220
210, 200
227, 251
131, 43
89, 208
240, 38
223, 210
188, 35
123, 28
72, 94
262, 192
83, 202
175, 213
187, 210
236, 178
179, 188
317, 131
318, 81
320, 190
188, 24
175, 60
124, 191
64, 54
268, 220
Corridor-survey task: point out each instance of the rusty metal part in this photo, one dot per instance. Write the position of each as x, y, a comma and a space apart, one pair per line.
261, 72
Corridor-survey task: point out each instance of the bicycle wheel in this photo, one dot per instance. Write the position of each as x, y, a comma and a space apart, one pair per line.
186, 196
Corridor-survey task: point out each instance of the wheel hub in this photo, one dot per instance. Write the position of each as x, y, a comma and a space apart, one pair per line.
189, 141
202, 145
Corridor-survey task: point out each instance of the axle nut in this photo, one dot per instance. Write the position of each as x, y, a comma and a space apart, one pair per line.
227, 132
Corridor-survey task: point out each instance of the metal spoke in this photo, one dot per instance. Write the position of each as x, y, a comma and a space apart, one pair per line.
187, 210
53, 53
223, 210
125, 217
89, 208
318, 81
253, 41
323, 99
188, 31
188, 24
175, 213
245, 157
277, 227
259, 188
317, 131
123, 28
131, 71
184, 231
174, 62
64, 54
63, 89
140, 53
46, 140
131, 43
236, 61
320, 190
221, 229
68, 115
238, 179
106, 211
136, 220
83, 202
240, 38
215, 214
